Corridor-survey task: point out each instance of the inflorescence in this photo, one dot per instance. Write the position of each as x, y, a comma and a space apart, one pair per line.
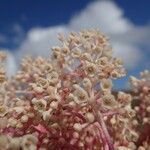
66, 102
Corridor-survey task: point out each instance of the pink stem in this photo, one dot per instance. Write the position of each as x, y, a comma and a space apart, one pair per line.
105, 131
101, 135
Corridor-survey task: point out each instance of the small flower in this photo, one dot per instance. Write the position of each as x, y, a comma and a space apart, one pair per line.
80, 93
47, 114
77, 127
18, 109
3, 142
37, 88
87, 83
42, 83
15, 143
76, 53
102, 61
124, 98
2, 75
86, 56
114, 74
24, 119
54, 104
109, 101
39, 104
65, 50
106, 84
12, 122
48, 68
53, 77
29, 142
90, 117
3, 110
90, 69
107, 52
3, 122
51, 90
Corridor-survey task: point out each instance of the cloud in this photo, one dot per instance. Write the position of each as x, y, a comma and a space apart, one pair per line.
18, 32
10, 63
127, 39
40, 40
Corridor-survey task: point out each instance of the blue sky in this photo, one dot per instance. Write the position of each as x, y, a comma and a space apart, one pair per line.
46, 13
24, 24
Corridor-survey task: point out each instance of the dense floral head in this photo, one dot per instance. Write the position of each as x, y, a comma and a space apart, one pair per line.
66, 102
141, 105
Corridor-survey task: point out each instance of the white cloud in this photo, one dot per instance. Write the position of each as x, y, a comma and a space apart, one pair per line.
40, 40
18, 33
105, 15
10, 63
126, 38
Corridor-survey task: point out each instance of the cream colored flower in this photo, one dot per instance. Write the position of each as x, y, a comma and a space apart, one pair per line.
117, 62
107, 52
39, 104
53, 77
109, 101
102, 61
41, 82
124, 98
90, 69
76, 53
2, 75
47, 114
3, 142
37, 88
29, 142
65, 50
106, 84
24, 119
80, 93
90, 117
87, 83
48, 68
3, 122
86, 56
3, 110
15, 143
114, 74
19, 110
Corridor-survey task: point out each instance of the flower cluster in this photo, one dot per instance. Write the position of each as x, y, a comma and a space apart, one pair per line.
141, 105
66, 102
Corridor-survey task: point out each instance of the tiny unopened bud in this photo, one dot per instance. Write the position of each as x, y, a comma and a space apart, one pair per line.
24, 118
77, 127
87, 83
19, 125
145, 120
148, 109
90, 117
141, 148
106, 84
113, 121
54, 105
135, 122
38, 89
12, 122
136, 108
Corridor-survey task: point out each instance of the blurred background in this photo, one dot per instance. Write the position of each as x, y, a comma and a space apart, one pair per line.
31, 27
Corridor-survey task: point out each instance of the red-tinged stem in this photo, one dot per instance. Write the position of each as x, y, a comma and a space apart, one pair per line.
101, 135
110, 113
105, 131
